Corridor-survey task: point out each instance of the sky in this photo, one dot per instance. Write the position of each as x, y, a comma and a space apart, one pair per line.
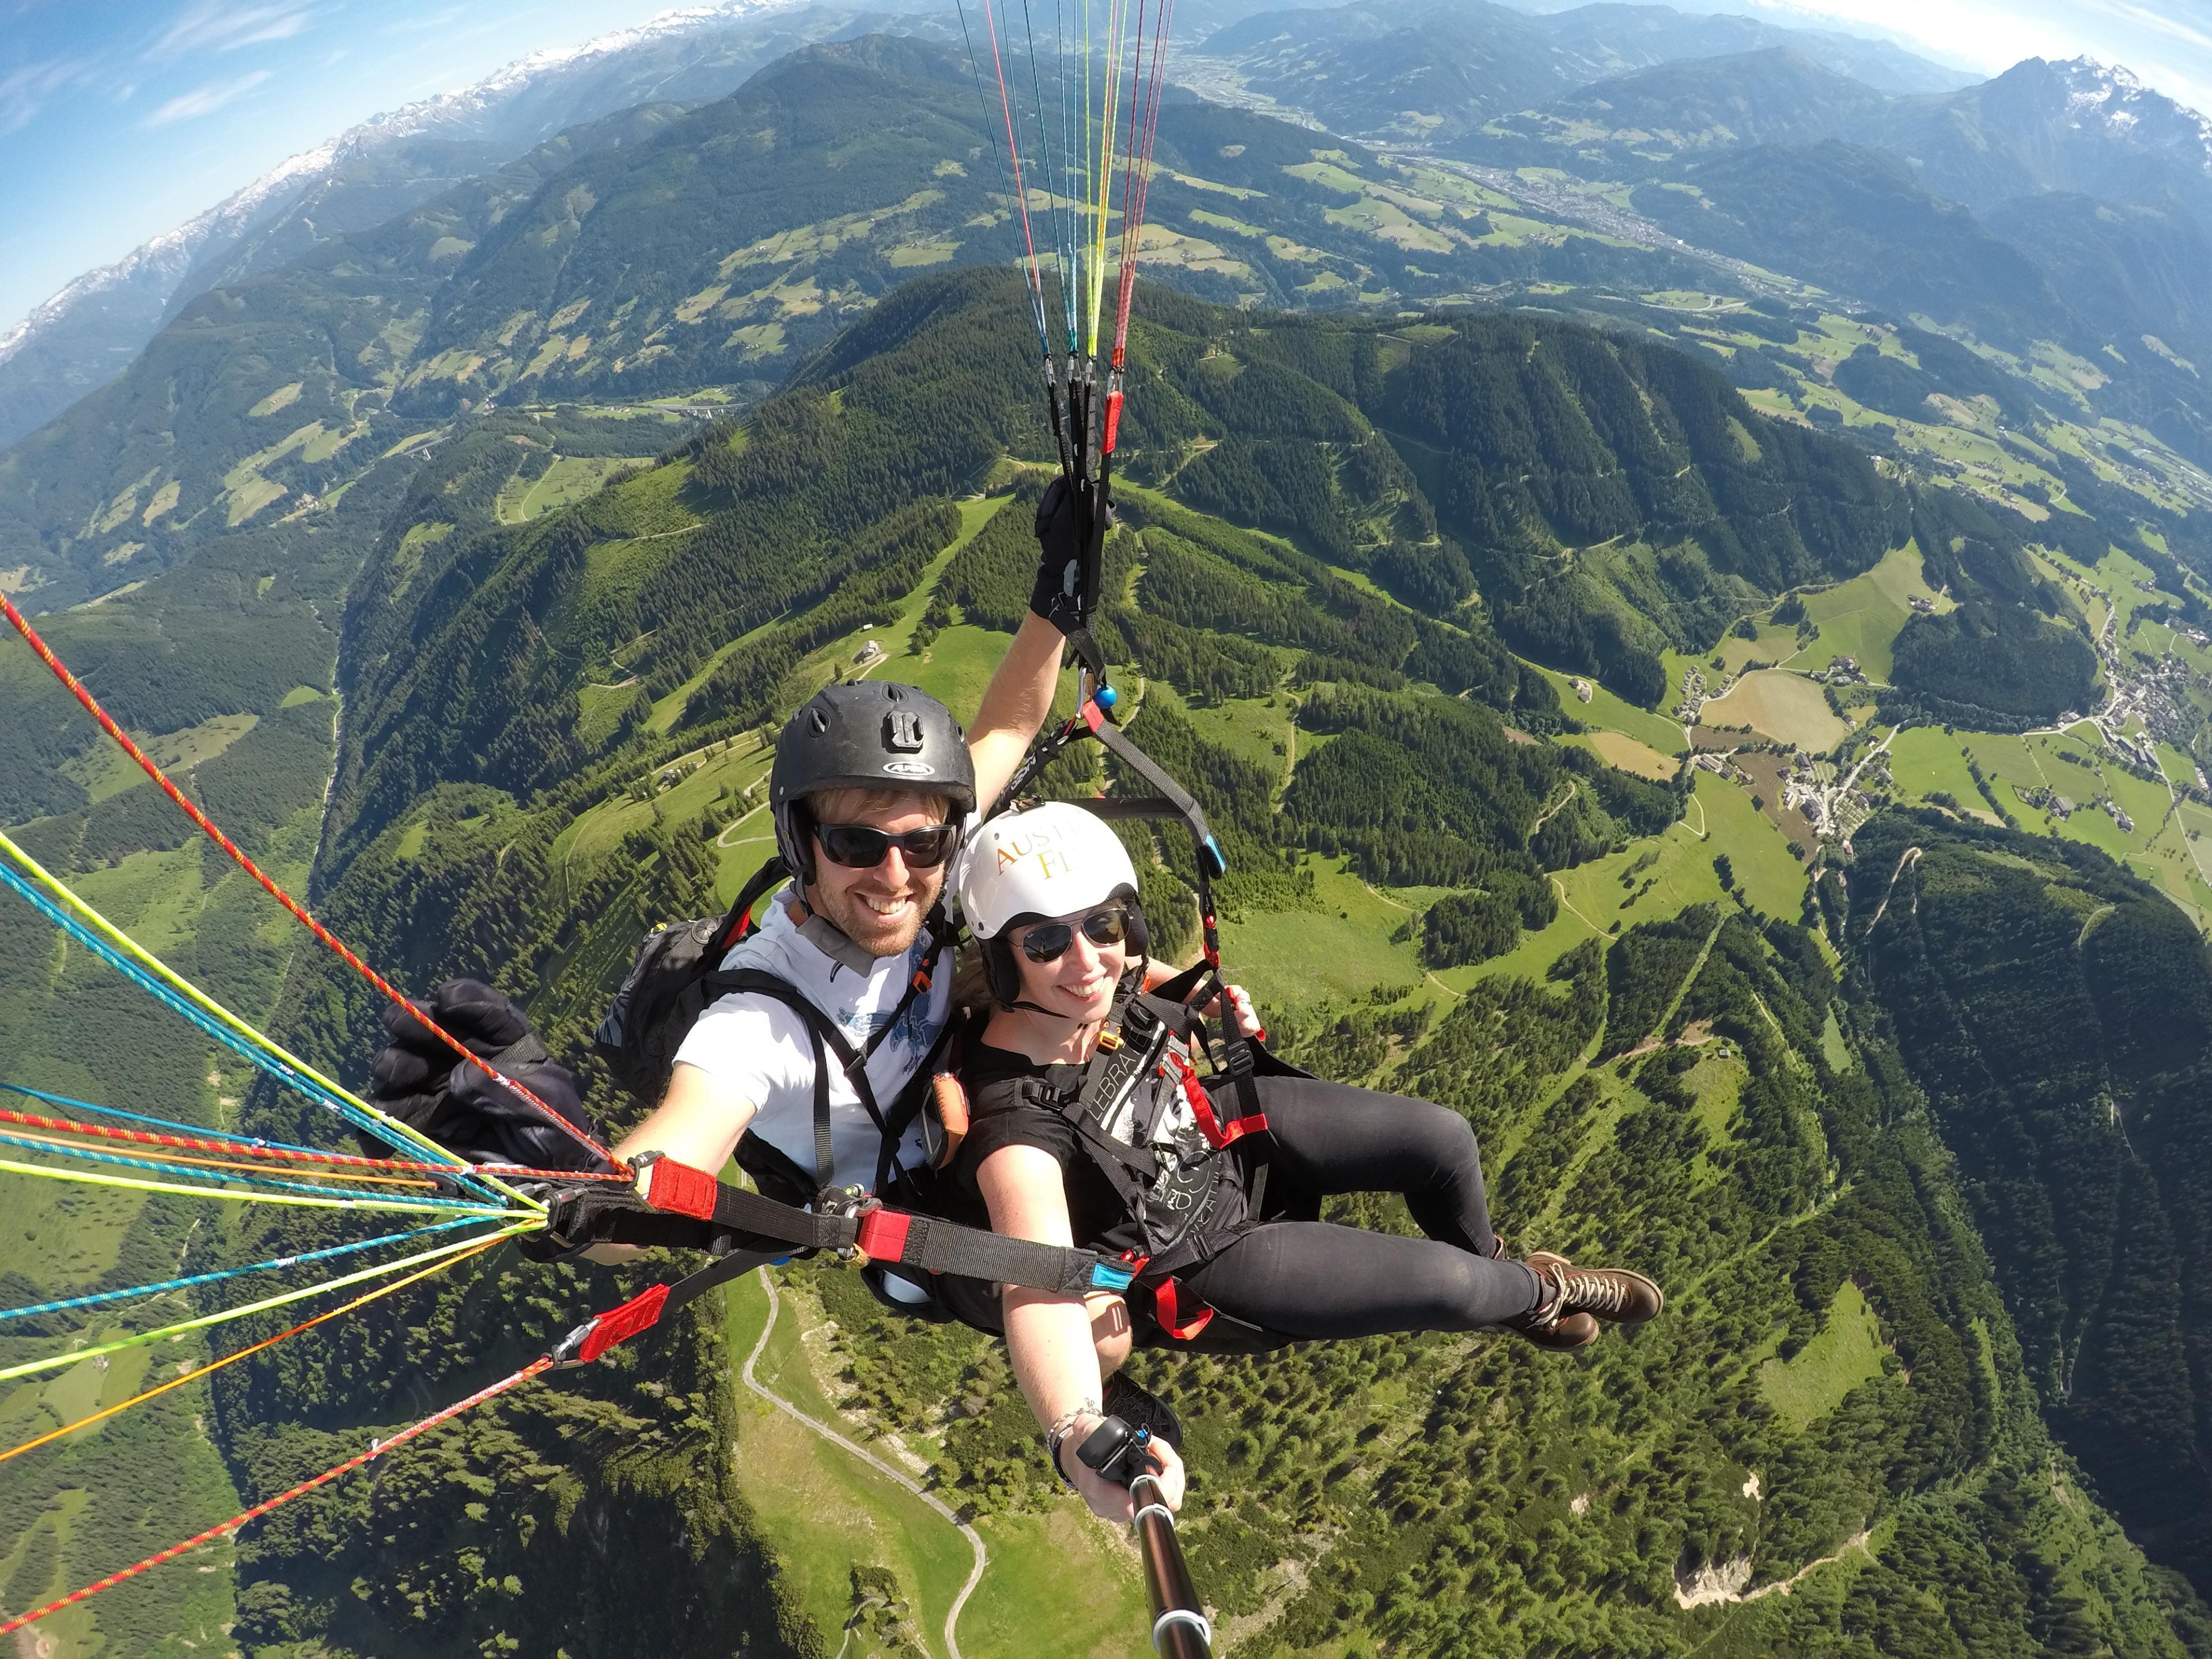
120, 118
2167, 43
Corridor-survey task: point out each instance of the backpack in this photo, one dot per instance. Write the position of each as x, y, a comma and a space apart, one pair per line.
677, 973
666, 990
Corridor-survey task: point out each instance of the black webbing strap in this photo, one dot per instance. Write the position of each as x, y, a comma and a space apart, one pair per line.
821, 1031
1201, 984
689, 1208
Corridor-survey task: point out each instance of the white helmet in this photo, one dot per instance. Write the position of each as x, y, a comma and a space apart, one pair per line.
1053, 860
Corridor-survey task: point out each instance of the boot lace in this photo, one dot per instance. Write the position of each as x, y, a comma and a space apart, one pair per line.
1599, 1293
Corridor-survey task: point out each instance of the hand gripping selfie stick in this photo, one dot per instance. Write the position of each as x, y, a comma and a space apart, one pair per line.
1179, 1627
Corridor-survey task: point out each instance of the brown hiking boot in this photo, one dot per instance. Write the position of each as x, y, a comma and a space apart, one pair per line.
1554, 1330
1615, 1295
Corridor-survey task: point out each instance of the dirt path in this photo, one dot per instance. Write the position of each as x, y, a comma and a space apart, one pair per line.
1560, 888
1911, 857
1545, 816
721, 838
898, 1476
1651, 1039
1779, 1587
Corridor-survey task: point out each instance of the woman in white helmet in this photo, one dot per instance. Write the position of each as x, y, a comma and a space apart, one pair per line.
1089, 1124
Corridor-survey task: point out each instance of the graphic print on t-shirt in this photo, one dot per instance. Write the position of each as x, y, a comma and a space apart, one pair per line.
908, 1045
758, 1050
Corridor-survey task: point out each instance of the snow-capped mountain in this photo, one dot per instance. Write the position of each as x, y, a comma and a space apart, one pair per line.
2078, 125
91, 330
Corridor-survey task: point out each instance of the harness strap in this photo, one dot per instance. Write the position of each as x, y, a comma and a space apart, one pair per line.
1218, 1134
825, 1038
684, 1206
1168, 1308
1199, 984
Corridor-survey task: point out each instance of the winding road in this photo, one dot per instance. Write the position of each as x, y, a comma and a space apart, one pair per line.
899, 1476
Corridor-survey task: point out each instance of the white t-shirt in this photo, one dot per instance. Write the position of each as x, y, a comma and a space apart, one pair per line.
760, 1051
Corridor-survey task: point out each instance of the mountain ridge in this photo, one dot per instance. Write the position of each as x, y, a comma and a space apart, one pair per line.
74, 340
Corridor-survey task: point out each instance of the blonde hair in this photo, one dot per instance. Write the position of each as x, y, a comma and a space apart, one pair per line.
971, 984
845, 805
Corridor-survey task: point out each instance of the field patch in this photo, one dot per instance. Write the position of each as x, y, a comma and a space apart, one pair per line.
1337, 953
1777, 704
1925, 760
825, 1511
1860, 618
1619, 748
570, 478
1773, 880
1615, 714
1846, 1352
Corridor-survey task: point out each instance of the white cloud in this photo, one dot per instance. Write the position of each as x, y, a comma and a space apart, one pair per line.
225, 26
24, 92
205, 100
2156, 22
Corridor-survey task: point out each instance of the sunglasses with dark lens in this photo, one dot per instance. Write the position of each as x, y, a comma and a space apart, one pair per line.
1048, 941
863, 847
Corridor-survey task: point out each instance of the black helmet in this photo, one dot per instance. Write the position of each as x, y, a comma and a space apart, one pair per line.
872, 735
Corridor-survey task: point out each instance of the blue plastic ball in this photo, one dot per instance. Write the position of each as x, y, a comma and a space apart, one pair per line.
1107, 696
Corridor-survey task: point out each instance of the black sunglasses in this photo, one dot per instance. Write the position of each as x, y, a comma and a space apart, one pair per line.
1048, 941
862, 846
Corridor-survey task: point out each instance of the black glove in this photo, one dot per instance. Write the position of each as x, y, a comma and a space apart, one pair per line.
1067, 584
419, 1080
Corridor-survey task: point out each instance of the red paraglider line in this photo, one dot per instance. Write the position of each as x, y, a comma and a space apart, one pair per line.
1137, 165
286, 1155
91, 706
1021, 190
376, 1450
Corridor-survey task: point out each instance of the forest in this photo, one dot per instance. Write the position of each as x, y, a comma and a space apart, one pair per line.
2055, 1010
547, 727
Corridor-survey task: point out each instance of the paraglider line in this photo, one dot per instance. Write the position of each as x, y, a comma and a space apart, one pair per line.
107, 1412
102, 1298
91, 706
61, 1362
376, 1449
53, 900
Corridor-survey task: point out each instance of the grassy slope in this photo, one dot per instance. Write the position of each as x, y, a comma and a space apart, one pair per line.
1338, 953
828, 1513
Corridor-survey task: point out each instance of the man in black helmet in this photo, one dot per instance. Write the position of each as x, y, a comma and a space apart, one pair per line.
873, 787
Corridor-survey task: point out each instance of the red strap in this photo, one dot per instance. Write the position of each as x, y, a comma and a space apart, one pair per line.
1093, 715
1201, 1107
882, 1234
680, 1189
1165, 1300
1112, 421
640, 1313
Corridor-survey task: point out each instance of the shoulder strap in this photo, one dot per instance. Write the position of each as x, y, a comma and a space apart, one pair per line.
824, 1034
739, 921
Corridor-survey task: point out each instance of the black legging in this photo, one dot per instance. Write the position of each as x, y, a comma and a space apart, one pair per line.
1312, 1279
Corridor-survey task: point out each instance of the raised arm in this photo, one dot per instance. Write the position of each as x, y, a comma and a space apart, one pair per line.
1050, 1338
1015, 707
